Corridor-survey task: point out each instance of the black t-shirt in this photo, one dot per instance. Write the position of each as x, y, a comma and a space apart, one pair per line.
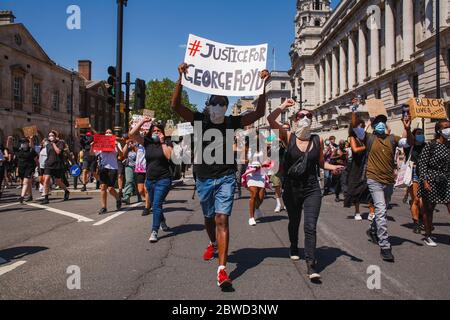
417, 150
55, 161
86, 143
216, 170
158, 167
26, 159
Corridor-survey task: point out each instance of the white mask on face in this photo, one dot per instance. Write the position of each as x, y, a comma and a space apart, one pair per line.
217, 114
303, 129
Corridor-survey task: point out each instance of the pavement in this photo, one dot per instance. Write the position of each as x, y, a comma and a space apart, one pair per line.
41, 246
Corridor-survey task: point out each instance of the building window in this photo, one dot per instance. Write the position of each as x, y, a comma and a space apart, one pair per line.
317, 5
304, 21
415, 85
69, 103
448, 65
37, 94
18, 89
317, 23
55, 101
377, 94
395, 92
283, 117
283, 86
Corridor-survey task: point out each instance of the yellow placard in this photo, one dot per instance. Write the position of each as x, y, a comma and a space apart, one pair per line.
427, 108
30, 131
82, 123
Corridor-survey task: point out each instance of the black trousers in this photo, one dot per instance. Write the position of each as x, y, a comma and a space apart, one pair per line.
303, 198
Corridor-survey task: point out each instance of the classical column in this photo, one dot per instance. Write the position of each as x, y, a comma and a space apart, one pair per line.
389, 31
342, 68
327, 78
335, 72
351, 61
322, 81
362, 65
374, 51
408, 29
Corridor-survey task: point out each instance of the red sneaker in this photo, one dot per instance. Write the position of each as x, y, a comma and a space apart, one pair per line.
209, 252
223, 281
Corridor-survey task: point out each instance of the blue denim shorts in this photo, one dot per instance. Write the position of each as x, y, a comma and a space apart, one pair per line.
415, 177
216, 195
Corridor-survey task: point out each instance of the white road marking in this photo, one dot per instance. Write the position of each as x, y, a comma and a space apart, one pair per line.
64, 213
9, 205
11, 267
116, 215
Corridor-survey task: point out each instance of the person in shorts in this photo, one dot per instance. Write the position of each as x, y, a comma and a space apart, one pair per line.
54, 166
108, 172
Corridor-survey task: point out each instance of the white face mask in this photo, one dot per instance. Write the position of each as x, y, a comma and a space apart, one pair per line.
303, 129
446, 133
217, 114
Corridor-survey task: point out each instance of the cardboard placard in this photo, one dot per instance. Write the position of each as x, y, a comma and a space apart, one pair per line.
427, 108
376, 107
223, 69
148, 113
185, 129
30, 131
169, 128
136, 119
83, 123
104, 143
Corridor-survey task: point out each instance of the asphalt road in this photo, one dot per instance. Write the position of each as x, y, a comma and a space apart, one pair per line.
116, 261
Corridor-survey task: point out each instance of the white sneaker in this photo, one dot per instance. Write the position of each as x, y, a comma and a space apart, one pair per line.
277, 209
258, 214
429, 242
358, 217
154, 237
41, 188
371, 217
252, 222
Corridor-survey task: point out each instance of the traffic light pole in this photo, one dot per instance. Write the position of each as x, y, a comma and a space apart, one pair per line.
118, 84
127, 102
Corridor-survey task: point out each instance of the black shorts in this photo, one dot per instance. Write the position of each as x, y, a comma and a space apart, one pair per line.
121, 167
90, 164
41, 172
26, 172
54, 173
140, 178
108, 177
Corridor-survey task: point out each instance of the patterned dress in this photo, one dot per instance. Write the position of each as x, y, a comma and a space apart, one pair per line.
434, 167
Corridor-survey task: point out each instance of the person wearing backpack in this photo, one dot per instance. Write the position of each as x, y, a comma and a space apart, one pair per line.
380, 174
302, 191
434, 171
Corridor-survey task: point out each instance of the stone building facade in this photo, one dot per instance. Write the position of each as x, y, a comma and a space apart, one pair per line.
382, 49
34, 90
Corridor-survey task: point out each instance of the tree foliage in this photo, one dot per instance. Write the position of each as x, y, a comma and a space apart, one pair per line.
159, 97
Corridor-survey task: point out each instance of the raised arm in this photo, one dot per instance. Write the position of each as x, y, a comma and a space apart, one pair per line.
260, 111
177, 105
275, 125
134, 133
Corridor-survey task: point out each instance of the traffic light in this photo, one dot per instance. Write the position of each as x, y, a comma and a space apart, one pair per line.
139, 94
112, 85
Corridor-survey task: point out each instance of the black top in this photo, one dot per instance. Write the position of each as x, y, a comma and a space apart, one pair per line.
216, 170
417, 150
85, 143
26, 158
293, 154
158, 167
55, 161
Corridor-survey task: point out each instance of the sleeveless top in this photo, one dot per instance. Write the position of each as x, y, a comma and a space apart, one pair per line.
293, 154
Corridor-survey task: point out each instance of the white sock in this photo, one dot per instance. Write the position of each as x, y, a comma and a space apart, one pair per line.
221, 268
278, 202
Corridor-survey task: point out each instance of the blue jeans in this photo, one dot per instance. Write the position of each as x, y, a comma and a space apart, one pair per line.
381, 195
157, 191
216, 195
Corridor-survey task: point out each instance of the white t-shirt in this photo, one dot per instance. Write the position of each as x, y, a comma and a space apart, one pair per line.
42, 158
141, 163
108, 160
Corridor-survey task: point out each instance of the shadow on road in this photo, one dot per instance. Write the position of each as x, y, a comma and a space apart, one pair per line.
177, 231
397, 241
174, 201
273, 219
249, 258
168, 210
18, 253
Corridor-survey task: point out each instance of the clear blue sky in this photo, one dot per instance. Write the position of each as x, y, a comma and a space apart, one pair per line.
154, 31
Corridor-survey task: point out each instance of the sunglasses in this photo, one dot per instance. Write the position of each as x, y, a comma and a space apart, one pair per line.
302, 115
214, 102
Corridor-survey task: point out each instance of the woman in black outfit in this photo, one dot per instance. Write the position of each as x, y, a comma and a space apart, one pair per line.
27, 160
302, 190
158, 152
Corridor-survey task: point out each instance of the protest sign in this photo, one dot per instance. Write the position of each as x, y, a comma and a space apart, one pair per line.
222, 69
427, 108
185, 129
82, 123
136, 119
30, 131
169, 128
149, 113
376, 107
104, 143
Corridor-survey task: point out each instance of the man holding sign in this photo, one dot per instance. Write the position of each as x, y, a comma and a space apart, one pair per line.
216, 182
